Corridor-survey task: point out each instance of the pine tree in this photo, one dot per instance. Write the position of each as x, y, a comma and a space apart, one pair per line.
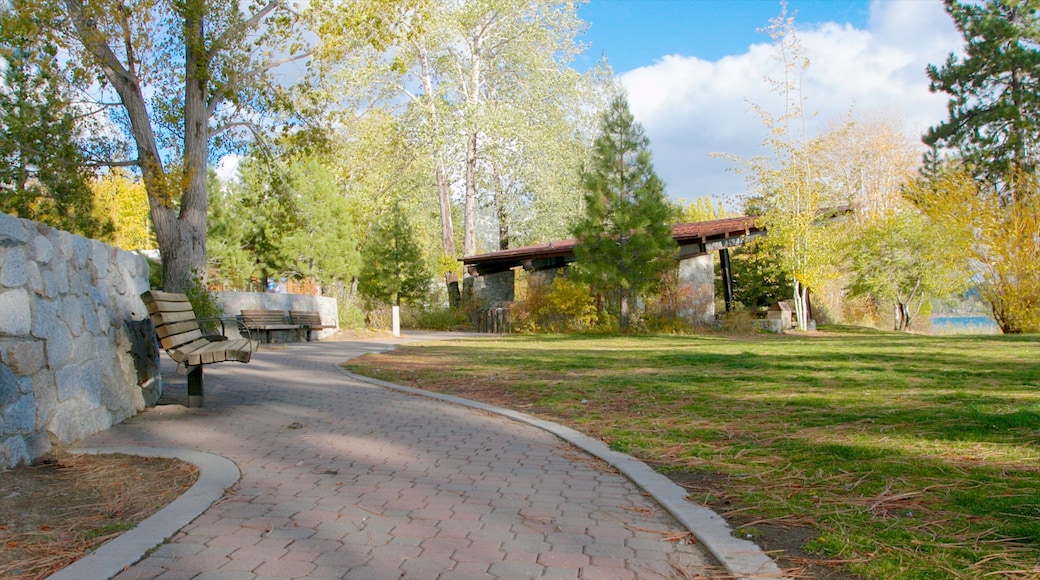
392, 266
994, 89
624, 239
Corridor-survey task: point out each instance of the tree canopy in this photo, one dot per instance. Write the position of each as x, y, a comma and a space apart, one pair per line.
43, 153
165, 85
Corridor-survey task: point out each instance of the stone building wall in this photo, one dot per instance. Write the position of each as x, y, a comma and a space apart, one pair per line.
77, 353
697, 282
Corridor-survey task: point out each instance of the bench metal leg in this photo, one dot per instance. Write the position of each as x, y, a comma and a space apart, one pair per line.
195, 386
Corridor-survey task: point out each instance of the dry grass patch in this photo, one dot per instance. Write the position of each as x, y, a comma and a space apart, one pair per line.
62, 508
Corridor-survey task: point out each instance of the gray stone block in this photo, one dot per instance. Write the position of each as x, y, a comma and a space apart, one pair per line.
73, 381
80, 252
15, 318
12, 231
34, 281
43, 250
60, 268
73, 422
14, 452
24, 356
45, 393
19, 417
9, 388
72, 314
91, 323
13, 273
100, 261
37, 444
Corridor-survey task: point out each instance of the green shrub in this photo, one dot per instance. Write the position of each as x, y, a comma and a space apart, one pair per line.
204, 303
563, 306
433, 318
350, 312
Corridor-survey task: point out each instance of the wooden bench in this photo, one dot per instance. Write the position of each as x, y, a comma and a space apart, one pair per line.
308, 321
179, 333
267, 321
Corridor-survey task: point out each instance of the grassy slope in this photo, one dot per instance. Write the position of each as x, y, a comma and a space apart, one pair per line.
916, 457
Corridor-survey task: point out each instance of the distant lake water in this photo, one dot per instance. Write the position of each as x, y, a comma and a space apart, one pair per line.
964, 324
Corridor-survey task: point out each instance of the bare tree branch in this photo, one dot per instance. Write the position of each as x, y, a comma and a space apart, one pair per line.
227, 126
113, 163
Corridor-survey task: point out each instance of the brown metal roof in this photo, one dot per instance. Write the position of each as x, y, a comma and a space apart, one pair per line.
696, 233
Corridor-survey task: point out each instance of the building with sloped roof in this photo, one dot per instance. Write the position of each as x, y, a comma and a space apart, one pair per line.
490, 277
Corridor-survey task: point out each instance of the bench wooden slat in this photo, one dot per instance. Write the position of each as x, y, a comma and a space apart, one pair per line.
157, 301
168, 317
266, 317
176, 328
309, 319
180, 341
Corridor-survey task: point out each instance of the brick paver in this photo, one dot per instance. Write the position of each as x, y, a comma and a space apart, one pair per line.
343, 479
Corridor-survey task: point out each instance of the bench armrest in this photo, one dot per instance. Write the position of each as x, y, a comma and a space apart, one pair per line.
224, 322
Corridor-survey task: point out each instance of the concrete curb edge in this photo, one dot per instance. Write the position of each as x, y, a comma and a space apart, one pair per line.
216, 474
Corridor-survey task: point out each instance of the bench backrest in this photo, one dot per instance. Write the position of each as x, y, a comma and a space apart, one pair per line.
261, 317
173, 318
305, 317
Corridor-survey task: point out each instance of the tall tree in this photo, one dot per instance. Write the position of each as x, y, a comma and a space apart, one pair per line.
788, 186
513, 54
904, 259
994, 107
625, 237
177, 81
890, 252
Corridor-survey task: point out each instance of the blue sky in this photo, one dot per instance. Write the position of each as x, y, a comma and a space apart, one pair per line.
634, 33
693, 69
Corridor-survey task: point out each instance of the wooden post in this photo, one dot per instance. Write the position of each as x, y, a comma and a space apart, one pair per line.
195, 386
727, 278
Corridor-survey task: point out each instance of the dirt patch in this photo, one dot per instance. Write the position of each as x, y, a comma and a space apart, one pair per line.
63, 507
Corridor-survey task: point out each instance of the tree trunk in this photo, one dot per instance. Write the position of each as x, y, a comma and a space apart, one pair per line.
451, 278
189, 260
801, 310
469, 221
625, 317
469, 218
502, 215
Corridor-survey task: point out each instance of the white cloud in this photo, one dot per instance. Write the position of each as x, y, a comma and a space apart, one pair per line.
692, 107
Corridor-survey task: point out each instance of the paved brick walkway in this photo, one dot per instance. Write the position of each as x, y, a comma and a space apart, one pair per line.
343, 479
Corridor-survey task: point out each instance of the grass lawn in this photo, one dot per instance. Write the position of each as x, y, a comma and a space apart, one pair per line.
912, 456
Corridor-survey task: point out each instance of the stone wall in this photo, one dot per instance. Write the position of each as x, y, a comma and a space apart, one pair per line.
234, 302
697, 283
77, 353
